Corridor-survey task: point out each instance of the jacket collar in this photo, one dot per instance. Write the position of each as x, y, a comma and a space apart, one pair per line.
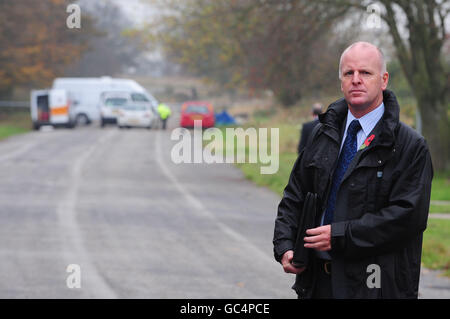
334, 118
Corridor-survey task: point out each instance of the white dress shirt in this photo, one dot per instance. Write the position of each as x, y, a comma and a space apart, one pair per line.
367, 122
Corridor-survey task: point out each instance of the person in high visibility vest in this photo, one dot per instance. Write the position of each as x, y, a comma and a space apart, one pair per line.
164, 113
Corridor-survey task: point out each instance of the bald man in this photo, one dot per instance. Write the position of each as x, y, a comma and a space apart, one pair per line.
372, 176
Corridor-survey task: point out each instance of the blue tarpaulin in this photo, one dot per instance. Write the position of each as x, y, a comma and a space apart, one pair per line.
224, 118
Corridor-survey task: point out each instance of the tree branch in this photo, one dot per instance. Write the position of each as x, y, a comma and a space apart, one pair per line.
402, 52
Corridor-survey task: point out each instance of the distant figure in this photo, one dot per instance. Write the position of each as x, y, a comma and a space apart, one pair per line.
164, 113
194, 94
309, 126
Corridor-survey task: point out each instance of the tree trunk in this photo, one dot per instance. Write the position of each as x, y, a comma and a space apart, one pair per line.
436, 131
421, 59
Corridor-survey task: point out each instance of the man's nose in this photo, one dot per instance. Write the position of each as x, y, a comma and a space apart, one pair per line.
356, 79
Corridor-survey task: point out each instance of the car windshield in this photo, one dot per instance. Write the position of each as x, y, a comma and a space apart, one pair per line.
134, 108
115, 101
201, 109
138, 97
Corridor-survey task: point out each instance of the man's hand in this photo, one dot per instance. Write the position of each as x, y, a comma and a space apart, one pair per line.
287, 266
319, 238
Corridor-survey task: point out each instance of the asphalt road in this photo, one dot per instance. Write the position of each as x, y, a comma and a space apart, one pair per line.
138, 225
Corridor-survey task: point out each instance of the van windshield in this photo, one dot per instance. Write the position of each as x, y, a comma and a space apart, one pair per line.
115, 101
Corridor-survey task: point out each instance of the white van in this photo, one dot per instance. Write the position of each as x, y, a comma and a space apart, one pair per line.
85, 93
112, 101
50, 107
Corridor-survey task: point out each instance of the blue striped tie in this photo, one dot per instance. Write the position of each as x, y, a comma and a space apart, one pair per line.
347, 154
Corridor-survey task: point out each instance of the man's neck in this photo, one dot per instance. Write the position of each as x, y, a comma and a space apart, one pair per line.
359, 112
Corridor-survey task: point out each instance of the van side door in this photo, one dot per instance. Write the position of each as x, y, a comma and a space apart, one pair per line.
59, 107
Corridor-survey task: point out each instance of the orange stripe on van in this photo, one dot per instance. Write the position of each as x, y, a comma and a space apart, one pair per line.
63, 110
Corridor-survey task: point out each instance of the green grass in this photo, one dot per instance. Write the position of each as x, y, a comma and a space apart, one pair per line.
444, 209
288, 135
14, 122
440, 189
436, 245
9, 130
276, 182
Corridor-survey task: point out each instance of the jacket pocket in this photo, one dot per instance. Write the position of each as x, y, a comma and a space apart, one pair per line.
357, 192
377, 192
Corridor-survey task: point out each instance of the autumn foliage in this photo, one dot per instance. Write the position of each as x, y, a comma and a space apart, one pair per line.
35, 43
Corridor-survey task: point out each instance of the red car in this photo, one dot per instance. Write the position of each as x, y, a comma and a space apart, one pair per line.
197, 110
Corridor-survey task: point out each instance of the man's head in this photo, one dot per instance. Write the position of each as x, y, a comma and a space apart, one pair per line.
316, 109
363, 75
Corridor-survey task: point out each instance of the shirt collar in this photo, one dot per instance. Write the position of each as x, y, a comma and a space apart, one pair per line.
368, 121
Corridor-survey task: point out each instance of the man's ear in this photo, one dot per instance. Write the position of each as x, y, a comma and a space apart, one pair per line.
385, 81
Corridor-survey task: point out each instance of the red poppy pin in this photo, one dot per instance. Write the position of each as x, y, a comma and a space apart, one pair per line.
367, 142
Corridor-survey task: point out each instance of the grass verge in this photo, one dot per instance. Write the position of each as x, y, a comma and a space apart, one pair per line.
9, 130
440, 191
436, 245
13, 123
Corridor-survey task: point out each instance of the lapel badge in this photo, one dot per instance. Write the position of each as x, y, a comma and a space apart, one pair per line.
367, 142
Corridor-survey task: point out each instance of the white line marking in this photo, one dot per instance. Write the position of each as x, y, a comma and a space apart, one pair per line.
73, 238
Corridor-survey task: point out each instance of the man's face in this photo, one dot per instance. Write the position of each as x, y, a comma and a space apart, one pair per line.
361, 80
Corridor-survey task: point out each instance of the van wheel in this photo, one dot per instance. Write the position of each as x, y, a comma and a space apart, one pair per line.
36, 126
82, 120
